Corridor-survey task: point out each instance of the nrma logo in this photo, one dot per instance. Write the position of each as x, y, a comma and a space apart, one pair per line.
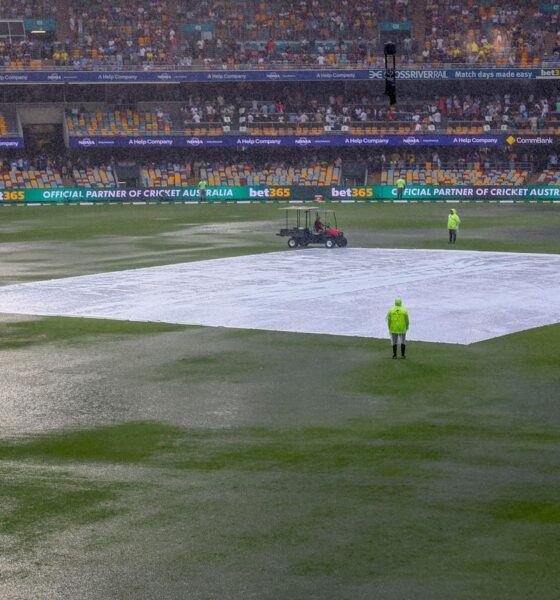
164, 77
86, 142
411, 140
195, 142
54, 77
303, 141
273, 75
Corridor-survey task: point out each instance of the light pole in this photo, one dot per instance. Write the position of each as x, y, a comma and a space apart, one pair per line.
390, 51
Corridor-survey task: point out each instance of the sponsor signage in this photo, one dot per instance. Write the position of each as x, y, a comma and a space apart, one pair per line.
48, 25
553, 73
335, 140
11, 142
459, 73
283, 193
111, 75
544, 140
196, 27
443, 192
390, 26
176, 194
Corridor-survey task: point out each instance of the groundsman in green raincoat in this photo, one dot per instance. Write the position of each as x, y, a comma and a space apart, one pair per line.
453, 222
397, 322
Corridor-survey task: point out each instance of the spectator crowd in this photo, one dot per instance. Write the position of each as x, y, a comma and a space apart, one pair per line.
506, 167
224, 34
302, 111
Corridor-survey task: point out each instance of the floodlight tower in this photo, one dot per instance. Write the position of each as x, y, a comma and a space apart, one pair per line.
390, 51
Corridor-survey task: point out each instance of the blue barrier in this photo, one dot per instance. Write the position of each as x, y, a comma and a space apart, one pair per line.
119, 76
180, 141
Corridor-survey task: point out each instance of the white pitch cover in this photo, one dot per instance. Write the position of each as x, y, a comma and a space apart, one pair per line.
456, 297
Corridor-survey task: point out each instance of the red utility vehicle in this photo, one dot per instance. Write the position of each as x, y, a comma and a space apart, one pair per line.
312, 225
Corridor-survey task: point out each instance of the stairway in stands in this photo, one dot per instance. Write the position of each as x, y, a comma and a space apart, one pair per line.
549, 43
419, 23
62, 24
172, 12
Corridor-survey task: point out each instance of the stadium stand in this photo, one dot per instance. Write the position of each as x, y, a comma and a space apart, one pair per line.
8, 122
222, 34
417, 167
507, 33
301, 115
27, 9
294, 21
271, 174
208, 117
329, 32
549, 177
21, 173
427, 175
94, 176
450, 114
171, 174
220, 174
153, 34
4, 128
120, 32
118, 122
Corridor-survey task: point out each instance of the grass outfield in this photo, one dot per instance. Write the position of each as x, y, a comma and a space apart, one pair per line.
161, 461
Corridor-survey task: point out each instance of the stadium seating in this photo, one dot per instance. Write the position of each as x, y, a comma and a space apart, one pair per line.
275, 20
506, 33
153, 33
310, 116
30, 178
98, 176
179, 173
172, 174
549, 177
475, 175
273, 174
8, 124
121, 32
27, 9
4, 130
118, 122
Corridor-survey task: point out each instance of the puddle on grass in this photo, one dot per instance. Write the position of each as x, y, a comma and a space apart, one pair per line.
165, 377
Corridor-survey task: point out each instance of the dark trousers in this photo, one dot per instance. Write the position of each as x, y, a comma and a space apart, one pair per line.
452, 236
403, 350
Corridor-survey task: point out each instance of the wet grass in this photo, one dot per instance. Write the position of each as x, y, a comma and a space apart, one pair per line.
235, 366
443, 483
365, 504
516, 227
129, 443
47, 330
53, 504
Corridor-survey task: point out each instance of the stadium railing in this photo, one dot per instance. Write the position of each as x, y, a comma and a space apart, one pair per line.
374, 62
396, 128
147, 124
